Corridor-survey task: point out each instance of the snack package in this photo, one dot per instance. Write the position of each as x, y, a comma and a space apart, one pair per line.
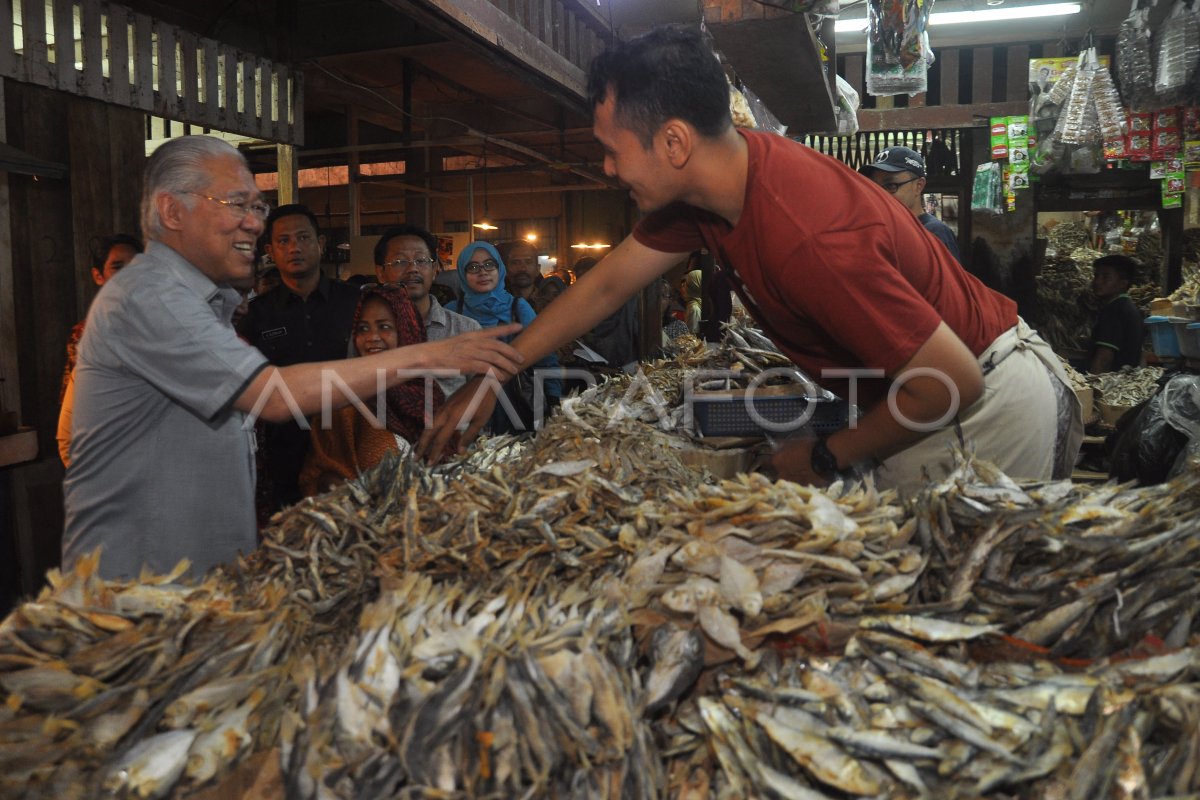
999, 128
987, 192
1166, 139
1177, 53
1137, 144
1134, 66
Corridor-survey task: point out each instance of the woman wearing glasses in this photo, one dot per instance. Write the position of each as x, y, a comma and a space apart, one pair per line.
481, 272
384, 320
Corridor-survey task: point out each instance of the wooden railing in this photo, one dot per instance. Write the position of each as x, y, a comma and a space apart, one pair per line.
108, 52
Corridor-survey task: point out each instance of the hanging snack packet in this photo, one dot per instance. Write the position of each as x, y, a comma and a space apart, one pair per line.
1178, 53
1133, 59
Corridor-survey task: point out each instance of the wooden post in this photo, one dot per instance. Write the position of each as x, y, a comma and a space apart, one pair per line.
289, 176
354, 223
10, 375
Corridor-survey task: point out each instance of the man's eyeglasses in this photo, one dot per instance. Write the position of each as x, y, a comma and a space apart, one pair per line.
239, 207
372, 286
895, 187
481, 266
405, 263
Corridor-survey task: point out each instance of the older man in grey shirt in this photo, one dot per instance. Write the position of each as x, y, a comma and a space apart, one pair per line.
162, 465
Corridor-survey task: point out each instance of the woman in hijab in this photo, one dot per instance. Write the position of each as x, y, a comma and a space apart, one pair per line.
384, 320
481, 274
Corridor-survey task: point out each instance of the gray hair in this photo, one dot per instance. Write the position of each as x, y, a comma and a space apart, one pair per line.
180, 165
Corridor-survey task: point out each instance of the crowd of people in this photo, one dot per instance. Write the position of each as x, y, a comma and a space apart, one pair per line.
173, 415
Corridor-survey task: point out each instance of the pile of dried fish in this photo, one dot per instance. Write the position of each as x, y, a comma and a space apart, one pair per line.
1085, 571
1077, 379
1066, 236
1189, 289
1066, 308
898, 717
137, 687
448, 692
1127, 386
566, 506
750, 558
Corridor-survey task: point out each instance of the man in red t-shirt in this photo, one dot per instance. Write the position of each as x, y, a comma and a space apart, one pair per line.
841, 277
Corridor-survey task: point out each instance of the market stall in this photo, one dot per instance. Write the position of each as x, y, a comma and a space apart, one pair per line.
580, 614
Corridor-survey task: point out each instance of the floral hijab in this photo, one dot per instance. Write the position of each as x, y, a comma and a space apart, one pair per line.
405, 401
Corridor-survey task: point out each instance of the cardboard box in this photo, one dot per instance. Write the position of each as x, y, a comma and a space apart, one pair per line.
721, 463
1087, 402
1110, 414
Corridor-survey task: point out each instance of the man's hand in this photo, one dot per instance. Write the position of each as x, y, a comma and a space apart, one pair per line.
793, 462
474, 352
453, 427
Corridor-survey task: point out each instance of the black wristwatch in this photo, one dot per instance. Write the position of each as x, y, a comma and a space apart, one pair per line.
824, 462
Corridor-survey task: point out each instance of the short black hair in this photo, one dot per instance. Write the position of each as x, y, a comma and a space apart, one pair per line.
405, 230
105, 246
1124, 266
668, 73
288, 210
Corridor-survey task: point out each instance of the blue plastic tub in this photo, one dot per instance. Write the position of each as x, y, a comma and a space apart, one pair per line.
1163, 338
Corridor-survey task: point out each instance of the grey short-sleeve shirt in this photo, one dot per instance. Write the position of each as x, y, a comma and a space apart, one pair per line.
162, 466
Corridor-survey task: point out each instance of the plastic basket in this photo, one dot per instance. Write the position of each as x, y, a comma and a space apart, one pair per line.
1163, 338
1189, 340
736, 415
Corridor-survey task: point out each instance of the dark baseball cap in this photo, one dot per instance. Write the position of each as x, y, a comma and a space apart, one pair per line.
898, 159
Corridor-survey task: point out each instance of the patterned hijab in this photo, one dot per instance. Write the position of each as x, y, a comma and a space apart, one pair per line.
492, 308
405, 401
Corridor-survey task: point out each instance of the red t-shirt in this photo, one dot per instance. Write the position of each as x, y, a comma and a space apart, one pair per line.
837, 272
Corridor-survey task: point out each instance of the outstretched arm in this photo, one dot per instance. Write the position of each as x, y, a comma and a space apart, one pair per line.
953, 383
618, 276
474, 352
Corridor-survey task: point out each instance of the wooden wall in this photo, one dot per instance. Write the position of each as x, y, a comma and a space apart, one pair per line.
53, 224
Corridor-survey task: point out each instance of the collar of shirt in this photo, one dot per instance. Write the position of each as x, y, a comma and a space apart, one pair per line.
222, 299
282, 296
437, 314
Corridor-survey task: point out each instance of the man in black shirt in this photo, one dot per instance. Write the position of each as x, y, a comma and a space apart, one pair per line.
901, 171
1118, 335
306, 318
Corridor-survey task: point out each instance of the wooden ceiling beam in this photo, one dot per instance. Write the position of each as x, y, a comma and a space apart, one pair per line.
937, 117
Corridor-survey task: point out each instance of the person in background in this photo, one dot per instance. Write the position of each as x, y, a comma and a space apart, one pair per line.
847, 283
485, 300
693, 292
521, 261
114, 253
672, 328
547, 292
385, 319
1118, 334
616, 336
406, 255
267, 280
162, 462
306, 318
901, 172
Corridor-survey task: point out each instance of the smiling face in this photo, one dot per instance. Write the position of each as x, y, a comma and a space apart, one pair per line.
214, 238
485, 279
375, 330
416, 279
118, 256
647, 173
295, 247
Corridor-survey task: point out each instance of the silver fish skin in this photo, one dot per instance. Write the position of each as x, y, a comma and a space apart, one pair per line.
151, 768
678, 659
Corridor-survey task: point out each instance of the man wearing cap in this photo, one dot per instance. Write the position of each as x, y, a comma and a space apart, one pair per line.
901, 171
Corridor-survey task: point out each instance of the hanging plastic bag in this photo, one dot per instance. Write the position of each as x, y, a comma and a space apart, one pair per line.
898, 52
1133, 60
764, 119
847, 107
1110, 114
1180, 401
987, 193
1177, 54
1078, 124
820, 8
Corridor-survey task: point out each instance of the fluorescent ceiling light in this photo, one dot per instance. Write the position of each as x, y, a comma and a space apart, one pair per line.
983, 15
